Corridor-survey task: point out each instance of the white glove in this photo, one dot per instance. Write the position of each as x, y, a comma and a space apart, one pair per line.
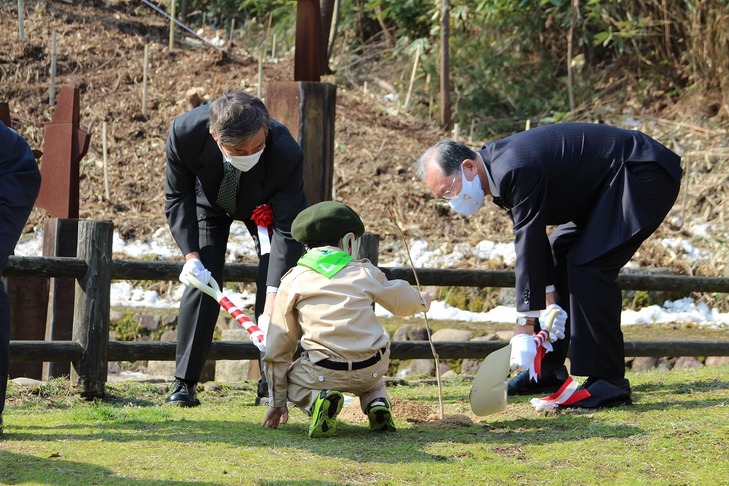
523, 351
263, 322
195, 268
558, 325
261, 345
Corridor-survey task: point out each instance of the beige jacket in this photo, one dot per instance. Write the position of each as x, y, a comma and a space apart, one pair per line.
334, 318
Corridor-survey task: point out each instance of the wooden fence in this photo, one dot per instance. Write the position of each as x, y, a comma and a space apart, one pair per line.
90, 350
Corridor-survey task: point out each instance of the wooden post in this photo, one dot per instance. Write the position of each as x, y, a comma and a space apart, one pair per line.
368, 247
445, 87
59, 240
307, 109
92, 307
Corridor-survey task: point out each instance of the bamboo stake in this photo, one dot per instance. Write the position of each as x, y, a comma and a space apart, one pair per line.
416, 60
107, 192
172, 24
144, 80
52, 96
21, 20
261, 50
425, 314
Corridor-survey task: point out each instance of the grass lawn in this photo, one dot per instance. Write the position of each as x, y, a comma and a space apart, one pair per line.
677, 432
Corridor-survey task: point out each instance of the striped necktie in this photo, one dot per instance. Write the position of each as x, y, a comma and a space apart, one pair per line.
228, 191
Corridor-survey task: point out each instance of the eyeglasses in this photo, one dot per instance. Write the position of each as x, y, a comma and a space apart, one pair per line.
449, 194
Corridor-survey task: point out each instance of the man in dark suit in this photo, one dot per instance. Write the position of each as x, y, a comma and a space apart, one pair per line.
606, 190
231, 141
19, 185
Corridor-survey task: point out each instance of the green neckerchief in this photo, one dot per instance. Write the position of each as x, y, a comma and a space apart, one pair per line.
325, 261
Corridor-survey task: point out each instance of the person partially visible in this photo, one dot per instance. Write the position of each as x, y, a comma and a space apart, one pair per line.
19, 186
227, 161
604, 190
327, 302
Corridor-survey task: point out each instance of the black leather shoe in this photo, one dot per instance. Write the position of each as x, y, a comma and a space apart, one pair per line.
604, 393
548, 383
1, 425
183, 394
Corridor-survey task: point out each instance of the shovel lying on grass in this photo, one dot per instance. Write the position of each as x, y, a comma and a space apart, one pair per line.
488, 392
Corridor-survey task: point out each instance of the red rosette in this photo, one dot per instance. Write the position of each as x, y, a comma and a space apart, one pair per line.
263, 216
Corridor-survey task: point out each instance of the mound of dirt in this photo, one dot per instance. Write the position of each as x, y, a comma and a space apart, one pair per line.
100, 50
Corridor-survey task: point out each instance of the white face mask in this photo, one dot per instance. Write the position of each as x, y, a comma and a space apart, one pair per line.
243, 163
471, 197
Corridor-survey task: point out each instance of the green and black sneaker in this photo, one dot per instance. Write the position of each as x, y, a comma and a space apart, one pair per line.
324, 415
379, 411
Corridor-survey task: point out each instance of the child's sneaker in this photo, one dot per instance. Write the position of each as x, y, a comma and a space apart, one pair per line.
379, 411
324, 414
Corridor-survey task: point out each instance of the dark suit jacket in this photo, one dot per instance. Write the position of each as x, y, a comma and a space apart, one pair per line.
572, 172
19, 183
195, 171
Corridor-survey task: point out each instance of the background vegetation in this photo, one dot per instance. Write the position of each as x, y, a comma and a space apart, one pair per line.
509, 58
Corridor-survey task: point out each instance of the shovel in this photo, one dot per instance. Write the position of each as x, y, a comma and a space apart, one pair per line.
488, 393
213, 290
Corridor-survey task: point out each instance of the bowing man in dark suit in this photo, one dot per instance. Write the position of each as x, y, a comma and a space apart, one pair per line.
19, 185
606, 190
234, 135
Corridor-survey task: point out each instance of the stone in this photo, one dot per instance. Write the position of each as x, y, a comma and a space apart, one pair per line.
644, 363
148, 321
504, 335
717, 360
686, 362
418, 334
470, 366
233, 370
401, 334
416, 368
451, 335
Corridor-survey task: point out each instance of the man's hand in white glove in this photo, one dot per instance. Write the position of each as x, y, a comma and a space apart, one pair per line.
523, 351
261, 345
558, 325
263, 322
195, 268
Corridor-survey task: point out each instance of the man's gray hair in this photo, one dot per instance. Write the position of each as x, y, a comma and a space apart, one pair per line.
447, 155
236, 116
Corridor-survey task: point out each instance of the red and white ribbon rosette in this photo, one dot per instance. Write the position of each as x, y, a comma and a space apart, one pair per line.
263, 218
541, 339
567, 394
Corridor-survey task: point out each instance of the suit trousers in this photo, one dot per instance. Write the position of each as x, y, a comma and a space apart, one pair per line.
307, 379
12, 221
590, 292
199, 312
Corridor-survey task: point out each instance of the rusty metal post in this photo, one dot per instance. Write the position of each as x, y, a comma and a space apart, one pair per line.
5, 113
64, 145
309, 50
308, 110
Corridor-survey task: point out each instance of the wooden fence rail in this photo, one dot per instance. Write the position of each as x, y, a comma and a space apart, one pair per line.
90, 350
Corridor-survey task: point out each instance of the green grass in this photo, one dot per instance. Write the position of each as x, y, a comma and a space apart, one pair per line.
676, 433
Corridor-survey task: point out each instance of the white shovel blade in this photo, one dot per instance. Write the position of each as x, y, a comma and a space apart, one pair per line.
488, 393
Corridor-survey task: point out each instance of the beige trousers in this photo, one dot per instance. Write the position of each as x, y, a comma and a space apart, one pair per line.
306, 380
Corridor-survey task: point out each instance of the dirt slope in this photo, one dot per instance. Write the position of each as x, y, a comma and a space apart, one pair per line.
100, 50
